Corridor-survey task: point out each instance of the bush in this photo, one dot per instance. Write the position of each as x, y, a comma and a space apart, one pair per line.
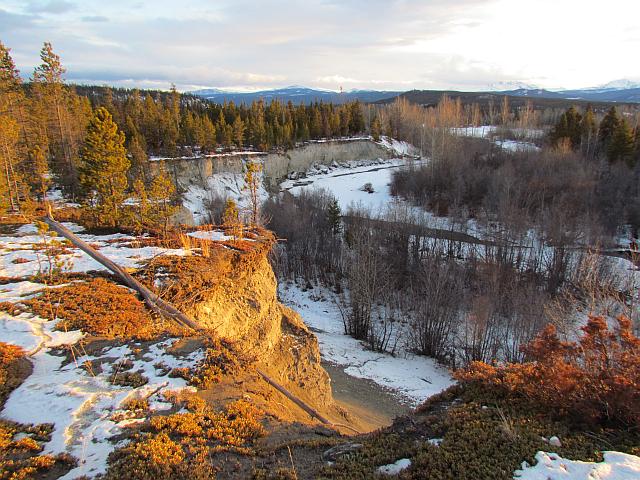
97, 306
9, 378
596, 380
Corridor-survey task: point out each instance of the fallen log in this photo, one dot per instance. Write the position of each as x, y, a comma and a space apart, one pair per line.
153, 301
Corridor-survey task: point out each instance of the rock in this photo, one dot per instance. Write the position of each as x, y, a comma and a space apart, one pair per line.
555, 441
339, 451
395, 468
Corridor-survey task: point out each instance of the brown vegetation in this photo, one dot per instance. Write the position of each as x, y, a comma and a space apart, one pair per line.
595, 380
97, 307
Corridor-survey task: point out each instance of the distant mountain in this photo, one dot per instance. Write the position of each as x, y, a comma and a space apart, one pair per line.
622, 91
296, 94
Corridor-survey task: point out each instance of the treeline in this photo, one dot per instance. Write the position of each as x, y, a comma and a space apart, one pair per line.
614, 137
44, 125
177, 124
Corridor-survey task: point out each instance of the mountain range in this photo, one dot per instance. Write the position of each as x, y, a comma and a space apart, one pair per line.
296, 94
622, 91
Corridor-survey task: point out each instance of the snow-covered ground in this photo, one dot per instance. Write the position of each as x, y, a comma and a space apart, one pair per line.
346, 183
85, 408
21, 259
492, 132
413, 378
550, 466
220, 185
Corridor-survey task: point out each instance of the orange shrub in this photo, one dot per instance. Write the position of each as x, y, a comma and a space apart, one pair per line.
97, 306
596, 379
9, 378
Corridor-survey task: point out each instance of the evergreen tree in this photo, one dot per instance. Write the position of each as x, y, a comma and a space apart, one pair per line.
333, 217
103, 171
252, 185
50, 92
607, 129
621, 146
569, 127
39, 179
162, 193
376, 129
12, 186
142, 208
589, 132
238, 132
231, 219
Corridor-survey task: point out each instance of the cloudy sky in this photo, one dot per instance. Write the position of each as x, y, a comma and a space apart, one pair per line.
379, 44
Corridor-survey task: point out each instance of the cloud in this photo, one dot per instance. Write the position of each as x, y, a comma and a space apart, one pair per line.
55, 7
94, 18
390, 44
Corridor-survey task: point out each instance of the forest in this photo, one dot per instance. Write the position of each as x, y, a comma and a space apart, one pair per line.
45, 128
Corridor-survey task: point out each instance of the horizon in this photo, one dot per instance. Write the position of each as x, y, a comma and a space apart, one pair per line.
465, 45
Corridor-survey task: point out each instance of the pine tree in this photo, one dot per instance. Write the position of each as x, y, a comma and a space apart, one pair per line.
50, 92
162, 192
142, 208
569, 127
621, 146
39, 178
252, 185
607, 129
103, 171
12, 186
231, 219
589, 132
376, 129
333, 217
238, 132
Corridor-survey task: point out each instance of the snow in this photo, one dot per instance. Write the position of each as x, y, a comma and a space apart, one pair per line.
27, 250
81, 404
395, 468
345, 183
550, 466
398, 147
517, 146
411, 377
213, 235
222, 185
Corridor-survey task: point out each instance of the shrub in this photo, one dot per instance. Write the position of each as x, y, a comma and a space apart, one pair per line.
97, 306
19, 459
9, 378
595, 380
219, 360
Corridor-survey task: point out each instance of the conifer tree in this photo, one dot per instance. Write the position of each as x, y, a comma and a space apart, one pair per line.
238, 132
142, 208
621, 145
12, 186
50, 91
252, 185
104, 166
162, 192
333, 217
38, 171
376, 129
607, 128
231, 219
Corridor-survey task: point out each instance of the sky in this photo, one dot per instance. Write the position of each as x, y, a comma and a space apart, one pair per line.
353, 44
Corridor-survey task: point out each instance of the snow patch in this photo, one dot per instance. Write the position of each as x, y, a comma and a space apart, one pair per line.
550, 466
395, 468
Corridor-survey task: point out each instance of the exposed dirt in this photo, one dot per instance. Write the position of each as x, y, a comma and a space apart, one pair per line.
371, 406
